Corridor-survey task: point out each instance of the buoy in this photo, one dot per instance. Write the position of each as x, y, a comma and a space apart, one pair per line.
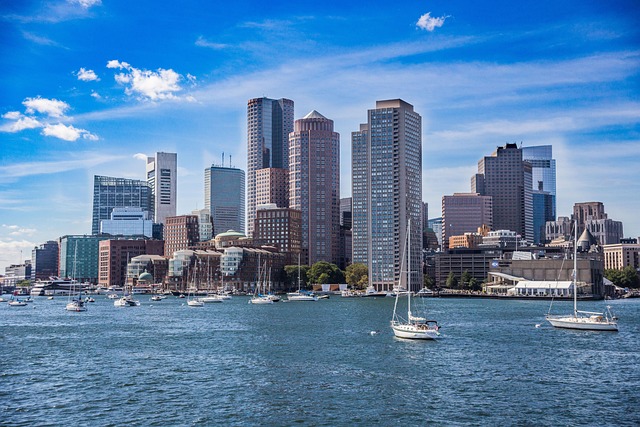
538, 325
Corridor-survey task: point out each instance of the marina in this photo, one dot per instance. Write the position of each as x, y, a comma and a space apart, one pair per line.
333, 362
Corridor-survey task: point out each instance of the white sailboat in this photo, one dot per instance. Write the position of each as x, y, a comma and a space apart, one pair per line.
126, 300
75, 302
298, 295
583, 320
257, 297
413, 327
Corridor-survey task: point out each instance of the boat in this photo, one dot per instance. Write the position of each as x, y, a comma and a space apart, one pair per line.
257, 297
299, 295
156, 298
56, 286
17, 303
413, 327
582, 320
75, 301
371, 292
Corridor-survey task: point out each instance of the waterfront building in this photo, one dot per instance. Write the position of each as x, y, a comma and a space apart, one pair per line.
109, 193
44, 261
507, 178
127, 221
205, 224
467, 240
156, 266
16, 273
387, 191
269, 123
79, 256
465, 213
114, 255
279, 227
543, 173
592, 216
560, 229
474, 262
272, 186
162, 177
180, 232
231, 238
619, 256
314, 186
505, 239
224, 197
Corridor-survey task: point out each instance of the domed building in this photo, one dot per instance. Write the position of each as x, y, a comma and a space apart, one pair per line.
231, 238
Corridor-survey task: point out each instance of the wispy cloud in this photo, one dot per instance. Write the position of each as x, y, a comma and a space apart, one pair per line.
146, 84
90, 160
20, 122
430, 23
202, 42
57, 11
44, 41
86, 4
87, 75
140, 156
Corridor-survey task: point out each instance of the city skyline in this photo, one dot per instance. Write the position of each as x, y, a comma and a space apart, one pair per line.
95, 87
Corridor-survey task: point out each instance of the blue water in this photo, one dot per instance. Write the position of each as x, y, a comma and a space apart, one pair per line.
313, 363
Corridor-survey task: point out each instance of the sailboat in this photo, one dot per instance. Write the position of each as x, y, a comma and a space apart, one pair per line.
75, 303
584, 320
257, 297
192, 299
413, 327
211, 296
300, 296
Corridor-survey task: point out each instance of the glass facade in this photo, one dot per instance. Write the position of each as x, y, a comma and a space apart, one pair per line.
79, 257
543, 172
224, 198
109, 193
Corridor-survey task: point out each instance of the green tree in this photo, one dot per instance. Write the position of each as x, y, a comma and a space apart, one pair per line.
427, 281
625, 278
475, 285
452, 282
291, 276
357, 276
325, 272
465, 280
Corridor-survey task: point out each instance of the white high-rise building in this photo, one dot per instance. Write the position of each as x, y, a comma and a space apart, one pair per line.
387, 192
162, 174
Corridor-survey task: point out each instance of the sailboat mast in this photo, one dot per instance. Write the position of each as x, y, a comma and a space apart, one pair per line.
575, 269
408, 252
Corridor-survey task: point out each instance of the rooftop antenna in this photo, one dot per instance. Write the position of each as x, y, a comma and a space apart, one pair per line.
229, 160
223, 158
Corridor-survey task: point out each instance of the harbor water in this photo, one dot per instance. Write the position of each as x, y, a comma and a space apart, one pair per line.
331, 362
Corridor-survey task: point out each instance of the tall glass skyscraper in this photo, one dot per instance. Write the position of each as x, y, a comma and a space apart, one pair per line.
269, 123
109, 193
387, 193
543, 171
224, 198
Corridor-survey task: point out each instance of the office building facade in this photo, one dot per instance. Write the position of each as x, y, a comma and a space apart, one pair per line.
129, 221
269, 123
79, 257
109, 193
44, 261
387, 192
272, 186
180, 232
224, 198
162, 177
543, 175
314, 185
507, 178
465, 213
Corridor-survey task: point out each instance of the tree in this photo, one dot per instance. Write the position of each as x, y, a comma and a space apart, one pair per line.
357, 276
291, 276
452, 282
427, 281
625, 278
465, 280
325, 272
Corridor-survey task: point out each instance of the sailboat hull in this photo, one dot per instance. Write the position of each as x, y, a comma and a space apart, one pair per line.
414, 331
593, 323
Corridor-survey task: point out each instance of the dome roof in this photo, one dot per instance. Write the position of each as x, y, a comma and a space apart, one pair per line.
145, 277
230, 233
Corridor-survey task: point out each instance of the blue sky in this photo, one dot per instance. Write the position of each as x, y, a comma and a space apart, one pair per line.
90, 87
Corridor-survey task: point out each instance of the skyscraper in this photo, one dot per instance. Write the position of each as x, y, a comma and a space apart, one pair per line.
543, 173
109, 193
224, 197
314, 185
387, 192
269, 122
162, 178
506, 177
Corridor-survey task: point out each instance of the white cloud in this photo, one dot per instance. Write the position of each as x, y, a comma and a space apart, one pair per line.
140, 156
429, 23
154, 85
22, 123
67, 133
96, 95
87, 75
88, 161
12, 115
50, 107
86, 4
19, 231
